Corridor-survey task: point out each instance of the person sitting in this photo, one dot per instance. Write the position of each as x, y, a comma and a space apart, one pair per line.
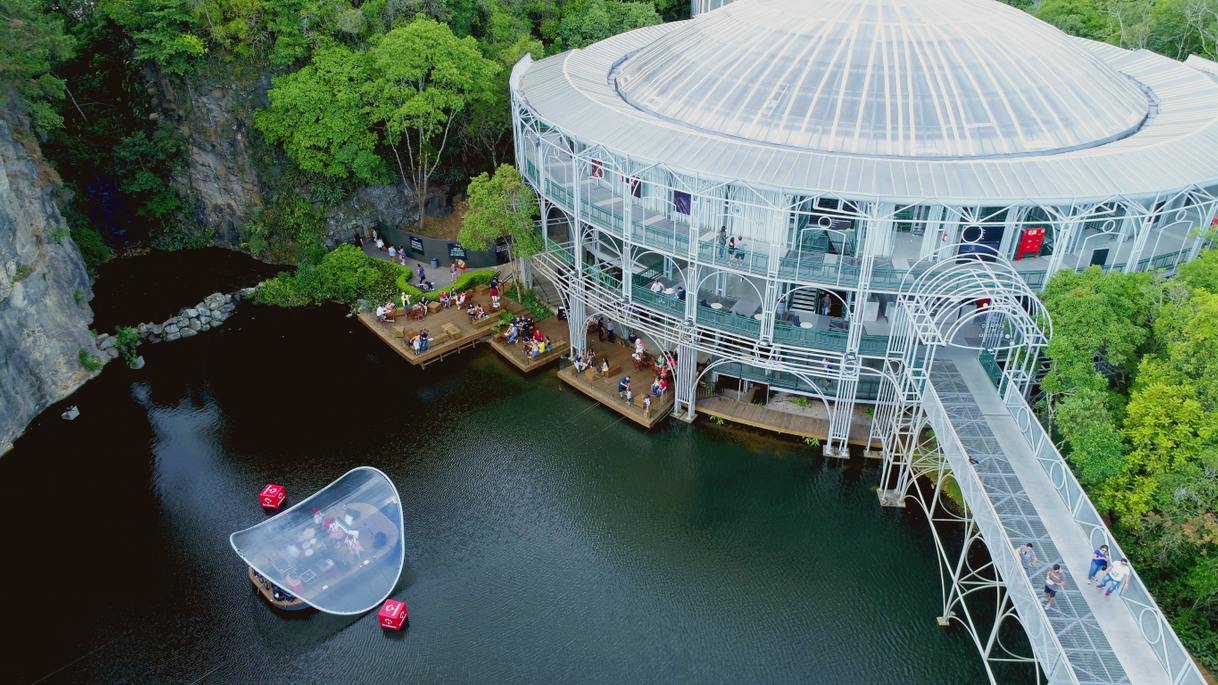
470, 312
480, 313
427, 286
513, 333
537, 334
461, 299
655, 386
444, 299
580, 364
604, 368
663, 387
380, 314
680, 293
657, 287
539, 349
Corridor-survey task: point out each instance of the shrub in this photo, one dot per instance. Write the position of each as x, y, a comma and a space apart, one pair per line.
344, 275
23, 270
530, 301
88, 361
466, 282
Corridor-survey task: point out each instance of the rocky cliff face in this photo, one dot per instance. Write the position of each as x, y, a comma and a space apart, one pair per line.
219, 185
44, 290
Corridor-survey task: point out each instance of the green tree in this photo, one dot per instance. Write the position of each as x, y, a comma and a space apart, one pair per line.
1096, 317
31, 42
425, 77
1202, 272
162, 31
501, 205
321, 115
486, 124
598, 20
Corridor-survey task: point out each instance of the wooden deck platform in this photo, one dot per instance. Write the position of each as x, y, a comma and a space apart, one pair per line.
777, 421
604, 390
470, 336
552, 327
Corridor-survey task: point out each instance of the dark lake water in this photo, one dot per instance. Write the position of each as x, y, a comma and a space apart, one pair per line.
546, 541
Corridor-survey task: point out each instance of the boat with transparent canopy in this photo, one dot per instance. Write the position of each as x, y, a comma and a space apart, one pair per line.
339, 551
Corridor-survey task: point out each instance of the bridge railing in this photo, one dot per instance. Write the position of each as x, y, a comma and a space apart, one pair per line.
1048, 649
1138, 600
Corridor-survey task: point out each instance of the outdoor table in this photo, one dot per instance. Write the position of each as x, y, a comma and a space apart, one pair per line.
716, 305
805, 324
757, 316
452, 331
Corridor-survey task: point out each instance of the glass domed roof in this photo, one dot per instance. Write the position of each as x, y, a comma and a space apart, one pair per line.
897, 78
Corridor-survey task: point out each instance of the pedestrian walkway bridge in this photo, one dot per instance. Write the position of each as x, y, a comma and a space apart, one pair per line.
1020, 490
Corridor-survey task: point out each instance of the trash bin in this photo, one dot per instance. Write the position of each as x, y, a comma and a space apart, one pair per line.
435, 263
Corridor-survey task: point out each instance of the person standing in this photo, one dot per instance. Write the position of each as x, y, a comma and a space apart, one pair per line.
1118, 576
1099, 562
623, 387
647, 406
1054, 582
722, 240
422, 273
393, 254
609, 331
1027, 556
826, 305
359, 241
452, 270
600, 329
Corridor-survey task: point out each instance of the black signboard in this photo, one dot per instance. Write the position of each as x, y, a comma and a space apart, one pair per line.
416, 244
455, 251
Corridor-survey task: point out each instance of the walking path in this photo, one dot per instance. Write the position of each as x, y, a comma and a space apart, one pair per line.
1100, 637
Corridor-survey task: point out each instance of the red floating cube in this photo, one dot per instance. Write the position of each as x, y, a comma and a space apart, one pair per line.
272, 496
393, 614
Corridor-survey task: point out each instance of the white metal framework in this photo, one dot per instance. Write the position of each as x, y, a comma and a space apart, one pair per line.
815, 195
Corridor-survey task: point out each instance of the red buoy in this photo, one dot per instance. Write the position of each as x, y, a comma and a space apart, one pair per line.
272, 496
393, 614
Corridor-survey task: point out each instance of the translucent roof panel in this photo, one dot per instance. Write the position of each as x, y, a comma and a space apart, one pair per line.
340, 550
895, 78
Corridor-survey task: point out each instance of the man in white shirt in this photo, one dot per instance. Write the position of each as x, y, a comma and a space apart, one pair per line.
657, 287
1118, 576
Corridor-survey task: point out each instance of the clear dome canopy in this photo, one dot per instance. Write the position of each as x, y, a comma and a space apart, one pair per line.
897, 78
340, 550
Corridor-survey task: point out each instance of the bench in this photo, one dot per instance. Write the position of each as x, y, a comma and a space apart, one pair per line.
614, 370
397, 332
488, 320
437, 337
452, 331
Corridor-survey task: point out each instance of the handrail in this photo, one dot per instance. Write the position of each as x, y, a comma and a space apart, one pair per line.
1137, 599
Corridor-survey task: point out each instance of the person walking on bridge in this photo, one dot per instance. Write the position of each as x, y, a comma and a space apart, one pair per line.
1054, 581
1099, 562
1027, 557
1118, 576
